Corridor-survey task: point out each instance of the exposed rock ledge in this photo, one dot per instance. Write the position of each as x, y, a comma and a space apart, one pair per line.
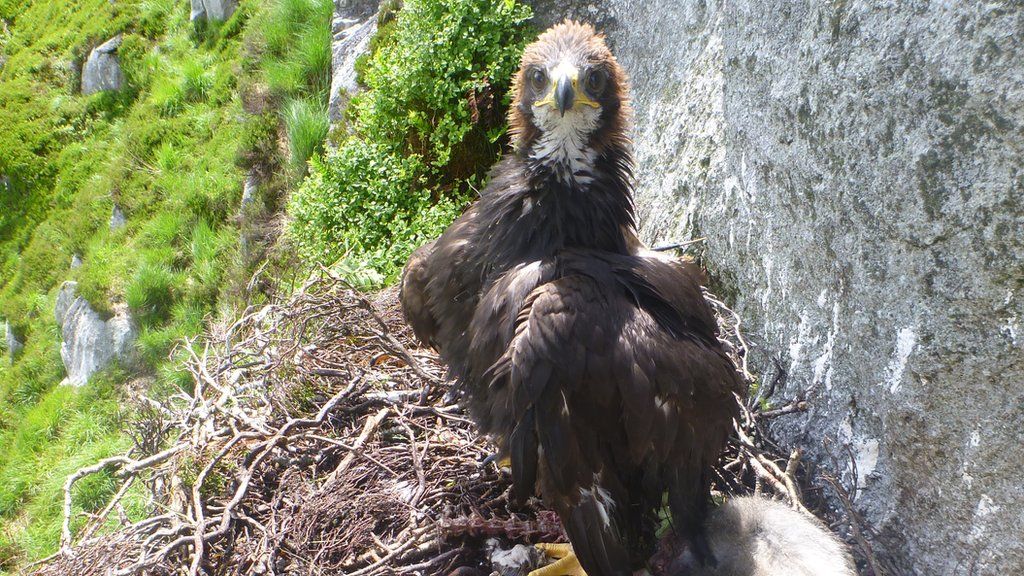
353, 25
90, 343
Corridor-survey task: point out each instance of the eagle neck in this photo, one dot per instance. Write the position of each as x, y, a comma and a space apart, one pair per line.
546, 214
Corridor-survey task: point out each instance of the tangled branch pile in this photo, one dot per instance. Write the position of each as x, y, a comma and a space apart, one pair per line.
317, 440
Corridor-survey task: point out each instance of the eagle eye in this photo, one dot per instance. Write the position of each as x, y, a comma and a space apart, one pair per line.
538, 79
596, 82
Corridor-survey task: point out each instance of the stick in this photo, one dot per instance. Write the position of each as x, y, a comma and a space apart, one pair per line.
368, 428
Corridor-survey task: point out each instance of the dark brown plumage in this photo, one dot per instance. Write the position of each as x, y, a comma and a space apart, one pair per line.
594, 364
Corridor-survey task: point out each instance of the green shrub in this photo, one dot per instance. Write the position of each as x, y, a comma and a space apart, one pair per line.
417, 148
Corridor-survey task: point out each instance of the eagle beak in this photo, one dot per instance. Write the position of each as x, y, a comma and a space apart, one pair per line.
565, 94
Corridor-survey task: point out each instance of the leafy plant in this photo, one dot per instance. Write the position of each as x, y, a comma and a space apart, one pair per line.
423, 133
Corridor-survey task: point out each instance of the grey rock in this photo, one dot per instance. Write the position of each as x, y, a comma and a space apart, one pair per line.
76, 261
102, 70
90, 343
248, 236
353, 25
14, 346
857, 172
117, 219
252, 181
212, 10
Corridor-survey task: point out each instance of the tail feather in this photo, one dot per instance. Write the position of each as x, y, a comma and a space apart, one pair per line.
594, 531
522, 446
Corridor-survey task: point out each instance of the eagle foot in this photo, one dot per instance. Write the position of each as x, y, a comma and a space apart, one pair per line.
565, 564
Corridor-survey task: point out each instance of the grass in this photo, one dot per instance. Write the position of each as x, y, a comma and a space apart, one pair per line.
296, 35
67, 429
306, 124
171, 150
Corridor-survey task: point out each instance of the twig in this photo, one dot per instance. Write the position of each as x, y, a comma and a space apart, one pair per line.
368, 428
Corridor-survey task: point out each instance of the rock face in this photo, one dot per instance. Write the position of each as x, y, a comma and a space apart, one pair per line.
90, 343
353, 25
216, 10
857, 172
102, 70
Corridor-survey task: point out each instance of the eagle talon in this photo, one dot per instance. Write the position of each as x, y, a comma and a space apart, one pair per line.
565, 564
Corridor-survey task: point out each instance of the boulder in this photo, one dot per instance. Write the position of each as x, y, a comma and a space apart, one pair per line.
856, 170
102, 70
90, 343
76, 261
249, 188
117, 219
353, 25
212, 10
11, 341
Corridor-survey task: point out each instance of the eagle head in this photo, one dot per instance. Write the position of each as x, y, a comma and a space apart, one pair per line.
570, 101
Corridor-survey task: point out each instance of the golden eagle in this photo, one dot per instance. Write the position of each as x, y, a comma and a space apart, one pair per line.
592, 362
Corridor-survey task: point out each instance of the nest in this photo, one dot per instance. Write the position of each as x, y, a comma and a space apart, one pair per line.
317, 440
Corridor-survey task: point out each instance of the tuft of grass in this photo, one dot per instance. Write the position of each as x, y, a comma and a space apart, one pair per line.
288, 18
306, 124
197, 79
152, 291
311, 57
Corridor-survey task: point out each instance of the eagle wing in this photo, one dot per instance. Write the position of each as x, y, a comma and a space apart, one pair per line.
443, 280
606, 382
440, 289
